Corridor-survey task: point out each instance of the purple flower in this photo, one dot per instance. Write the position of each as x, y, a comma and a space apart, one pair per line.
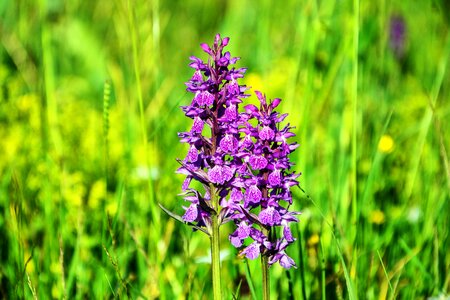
267, 179
266, 133
192, 155
252, 251
274, 179
257, 162
220, 174
281, 256
204, 98
397, 35
284, 260
236, 195
242, 232
197, 126
287, 234
241, 157
252, 195
214, 136
270, 216
228, 143
191, 213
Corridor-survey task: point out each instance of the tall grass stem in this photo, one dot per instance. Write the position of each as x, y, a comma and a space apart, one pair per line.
137, 75
354, 155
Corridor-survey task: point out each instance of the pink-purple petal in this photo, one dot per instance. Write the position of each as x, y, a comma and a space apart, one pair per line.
252, 251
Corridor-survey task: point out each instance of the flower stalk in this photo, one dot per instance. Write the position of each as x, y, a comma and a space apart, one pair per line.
265, 274
215, 251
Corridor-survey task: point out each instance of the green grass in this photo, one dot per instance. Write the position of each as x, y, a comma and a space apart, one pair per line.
89, 115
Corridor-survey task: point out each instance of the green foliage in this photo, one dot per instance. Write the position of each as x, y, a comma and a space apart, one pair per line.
89, 114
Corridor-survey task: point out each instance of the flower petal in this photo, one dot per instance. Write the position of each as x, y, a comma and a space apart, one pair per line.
257, 162
197, 127
266, 133
220, 174
270, 216
287, 262
191, 213
253, 194
192, 155
274, 178
228, 143
252, 251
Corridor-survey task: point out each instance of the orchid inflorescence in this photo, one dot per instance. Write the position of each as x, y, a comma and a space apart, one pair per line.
241, 158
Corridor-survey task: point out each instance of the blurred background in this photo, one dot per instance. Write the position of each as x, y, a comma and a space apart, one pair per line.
89, 114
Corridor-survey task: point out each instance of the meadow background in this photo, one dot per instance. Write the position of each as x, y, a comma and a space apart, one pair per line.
89, 114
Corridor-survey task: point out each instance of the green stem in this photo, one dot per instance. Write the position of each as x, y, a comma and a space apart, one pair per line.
215, 247
265, 269
354, 155
264, 258
265, 277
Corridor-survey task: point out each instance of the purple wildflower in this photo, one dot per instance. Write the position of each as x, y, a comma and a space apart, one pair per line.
252, 251
220, 174
281, 256
240, 158
397, 35
217, 95
266, 178
242, 232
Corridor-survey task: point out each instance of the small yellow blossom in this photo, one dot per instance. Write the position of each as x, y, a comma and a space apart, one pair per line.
377, 217
386, 144
313, 240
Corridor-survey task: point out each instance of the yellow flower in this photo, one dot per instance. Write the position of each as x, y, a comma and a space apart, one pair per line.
313, 240
386, 144
377, 217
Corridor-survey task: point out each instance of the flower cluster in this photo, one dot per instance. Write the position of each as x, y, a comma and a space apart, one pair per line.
241, 161
263, 184
210, 159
